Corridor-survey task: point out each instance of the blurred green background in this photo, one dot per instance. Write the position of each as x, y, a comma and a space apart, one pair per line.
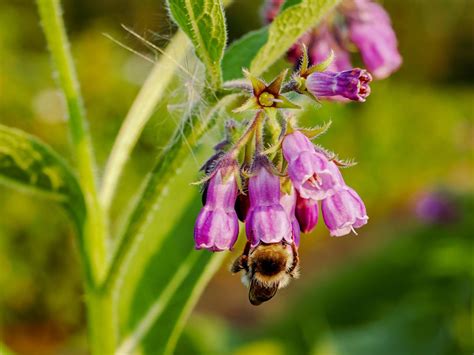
403, 286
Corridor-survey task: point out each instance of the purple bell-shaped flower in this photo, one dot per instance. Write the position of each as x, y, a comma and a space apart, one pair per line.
266, 220
217, 226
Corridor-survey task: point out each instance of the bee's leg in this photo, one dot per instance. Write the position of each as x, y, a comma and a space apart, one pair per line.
241, 263
293, 271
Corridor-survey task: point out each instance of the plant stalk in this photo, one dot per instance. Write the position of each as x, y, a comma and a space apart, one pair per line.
101, 322
102, 329
94, 231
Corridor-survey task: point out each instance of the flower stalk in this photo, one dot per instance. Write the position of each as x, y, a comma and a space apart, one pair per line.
102, 328
95, 230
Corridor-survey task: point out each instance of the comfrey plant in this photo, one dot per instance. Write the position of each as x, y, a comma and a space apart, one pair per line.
276, 191
266, 173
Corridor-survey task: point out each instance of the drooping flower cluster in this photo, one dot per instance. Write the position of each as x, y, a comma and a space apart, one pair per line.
277, 192
278, 208
362, 24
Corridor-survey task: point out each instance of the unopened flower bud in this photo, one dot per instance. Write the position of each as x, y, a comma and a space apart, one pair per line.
306, 212
242, 205
350, 84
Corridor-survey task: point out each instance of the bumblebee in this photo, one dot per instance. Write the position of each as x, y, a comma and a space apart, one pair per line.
267, 268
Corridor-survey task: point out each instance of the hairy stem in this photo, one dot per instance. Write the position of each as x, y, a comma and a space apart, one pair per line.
259, 121
246, 136
186, 136
150, 94
94, 231
101, 322
101, 327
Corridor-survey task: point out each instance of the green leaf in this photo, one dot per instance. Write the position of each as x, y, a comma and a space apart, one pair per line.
204, 22
167, 275
289, 3
241, 52
29, 164
287, 27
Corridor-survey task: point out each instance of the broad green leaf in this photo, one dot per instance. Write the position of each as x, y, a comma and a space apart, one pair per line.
204, 22
289, 3
167, 275
29, 164
287, 27
241, 52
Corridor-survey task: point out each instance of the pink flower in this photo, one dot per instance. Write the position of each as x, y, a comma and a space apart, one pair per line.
266, 220
309, 171
370, 29
343, 211
216, 226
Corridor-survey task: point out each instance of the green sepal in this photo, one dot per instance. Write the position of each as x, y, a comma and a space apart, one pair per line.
315, 132
258, 85
274, 148
304, 60
275, 86
304, 70
266, 97
290, 125
323, 65
346, 163
250, 104
286, 186
283, 102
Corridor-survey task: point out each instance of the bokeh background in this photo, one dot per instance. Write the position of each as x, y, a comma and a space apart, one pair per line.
403, 286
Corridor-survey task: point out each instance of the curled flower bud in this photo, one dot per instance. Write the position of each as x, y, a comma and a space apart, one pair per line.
266, 220
343, 211
306, 212
370, 29
217, 226
350, 84
310, 171
288, 201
